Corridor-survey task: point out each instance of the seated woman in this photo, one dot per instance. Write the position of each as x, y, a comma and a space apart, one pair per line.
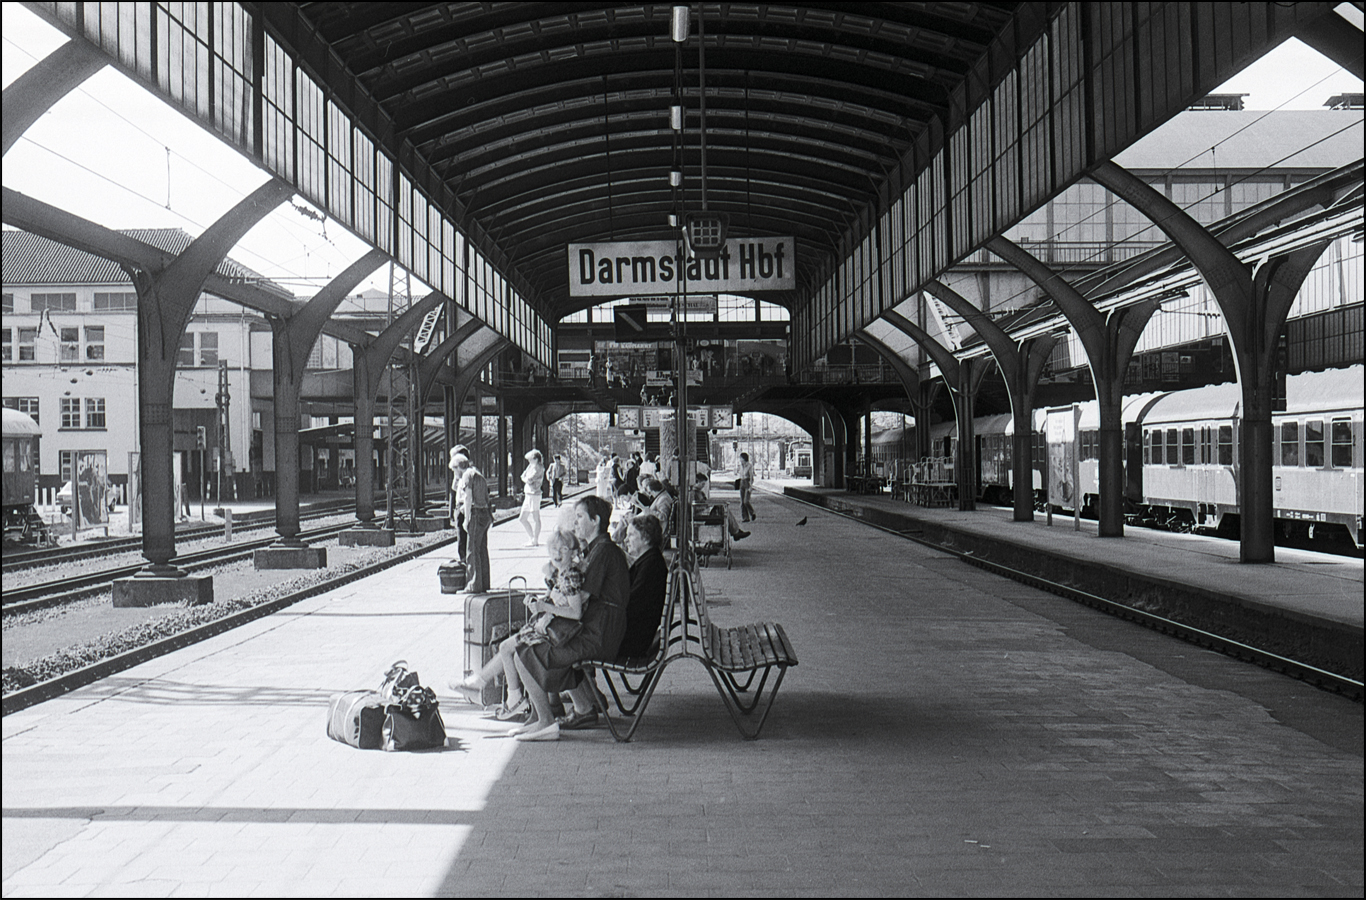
558, 615
649, 581
702, 505
607, 581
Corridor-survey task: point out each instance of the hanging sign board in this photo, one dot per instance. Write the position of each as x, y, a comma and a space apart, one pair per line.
652, 268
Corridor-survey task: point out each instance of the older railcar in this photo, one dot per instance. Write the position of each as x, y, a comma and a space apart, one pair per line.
22, 524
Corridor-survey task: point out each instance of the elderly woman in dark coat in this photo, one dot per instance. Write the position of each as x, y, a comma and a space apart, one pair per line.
545, 668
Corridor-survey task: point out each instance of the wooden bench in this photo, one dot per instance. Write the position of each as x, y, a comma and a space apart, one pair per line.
686, 631
743, 649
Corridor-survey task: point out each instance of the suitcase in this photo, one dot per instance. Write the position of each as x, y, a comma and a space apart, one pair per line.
489, 619
356, 718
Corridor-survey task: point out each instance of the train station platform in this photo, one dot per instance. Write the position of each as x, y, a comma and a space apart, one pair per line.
1307, 606
947, 732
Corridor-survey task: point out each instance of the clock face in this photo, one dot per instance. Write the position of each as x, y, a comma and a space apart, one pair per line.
628, 416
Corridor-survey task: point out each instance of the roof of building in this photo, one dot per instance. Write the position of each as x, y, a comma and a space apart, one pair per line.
32, 259
1250, 139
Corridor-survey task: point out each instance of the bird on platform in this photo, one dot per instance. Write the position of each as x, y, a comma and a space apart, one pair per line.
802, 522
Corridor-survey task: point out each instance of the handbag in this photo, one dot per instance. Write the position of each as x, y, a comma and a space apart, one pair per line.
561, 630
413, 721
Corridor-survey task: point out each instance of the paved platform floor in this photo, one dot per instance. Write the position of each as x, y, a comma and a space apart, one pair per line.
946, 733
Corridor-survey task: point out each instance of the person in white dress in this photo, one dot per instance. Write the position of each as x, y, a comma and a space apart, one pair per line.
532, 479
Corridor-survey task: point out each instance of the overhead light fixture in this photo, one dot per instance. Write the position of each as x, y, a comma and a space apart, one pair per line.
676, 117
678, 29
673, 220
676, 178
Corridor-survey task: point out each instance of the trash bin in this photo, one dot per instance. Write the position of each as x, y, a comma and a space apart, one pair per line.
452, 576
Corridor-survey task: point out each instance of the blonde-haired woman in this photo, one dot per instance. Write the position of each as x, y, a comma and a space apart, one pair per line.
532, 479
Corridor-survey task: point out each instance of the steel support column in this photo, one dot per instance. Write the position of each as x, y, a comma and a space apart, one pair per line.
1254, 306
1109, 341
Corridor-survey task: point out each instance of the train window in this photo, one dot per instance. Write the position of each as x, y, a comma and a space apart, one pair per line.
1225, 445
9, 460
1290, 443
1342, 443
1188, 446
1173, 447
1158, 458
1313, 444
94, 342
1147, 447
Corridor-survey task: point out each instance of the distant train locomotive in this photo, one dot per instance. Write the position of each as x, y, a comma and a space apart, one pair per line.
1180, 452
22, 523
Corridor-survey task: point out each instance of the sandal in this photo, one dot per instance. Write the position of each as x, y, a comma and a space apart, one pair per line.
506, 712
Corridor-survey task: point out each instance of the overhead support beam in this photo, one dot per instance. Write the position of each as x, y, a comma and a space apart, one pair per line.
292, 341
166, 298
1254, 305
1021, 365
36, 91
1336, 38
1109, 341
964, 377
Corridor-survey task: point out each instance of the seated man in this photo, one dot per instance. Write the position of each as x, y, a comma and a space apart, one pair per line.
701, 505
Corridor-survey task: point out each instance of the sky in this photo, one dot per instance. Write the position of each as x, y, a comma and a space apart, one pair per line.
114, 153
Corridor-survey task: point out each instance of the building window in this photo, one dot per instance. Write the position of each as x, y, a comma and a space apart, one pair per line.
1342, 443
208, 348
27, 337
70, 347
64, 460
1290, 443
125, 301
29, 407
94, 412
94, 342
52, 302
7, 304
185, 358
71, 412
6, 345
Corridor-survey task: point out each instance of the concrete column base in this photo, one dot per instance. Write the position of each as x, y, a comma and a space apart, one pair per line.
291, 558
426, 524
189, 590
367, 537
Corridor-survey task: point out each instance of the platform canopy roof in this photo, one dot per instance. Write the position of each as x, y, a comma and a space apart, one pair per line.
550, 121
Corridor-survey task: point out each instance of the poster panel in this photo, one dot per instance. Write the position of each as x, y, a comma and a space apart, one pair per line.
91, 491
1061, 433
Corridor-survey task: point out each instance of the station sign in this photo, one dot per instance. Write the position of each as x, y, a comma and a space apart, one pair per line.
652, 268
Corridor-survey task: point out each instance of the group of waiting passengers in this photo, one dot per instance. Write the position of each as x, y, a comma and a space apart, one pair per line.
598, 604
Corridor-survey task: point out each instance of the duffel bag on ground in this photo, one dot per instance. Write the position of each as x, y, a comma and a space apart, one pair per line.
403, 730
357, 718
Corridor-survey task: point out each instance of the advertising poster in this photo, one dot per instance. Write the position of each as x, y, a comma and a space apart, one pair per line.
1061, 434
91, 491
134, 490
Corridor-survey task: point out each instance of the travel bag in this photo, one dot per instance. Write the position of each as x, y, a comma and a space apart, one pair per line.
489, 619
356, 718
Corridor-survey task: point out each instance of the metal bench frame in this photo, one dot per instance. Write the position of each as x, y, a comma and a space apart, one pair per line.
687, 632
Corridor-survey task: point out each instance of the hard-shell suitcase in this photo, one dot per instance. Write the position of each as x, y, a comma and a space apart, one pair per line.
489, 619
356, 718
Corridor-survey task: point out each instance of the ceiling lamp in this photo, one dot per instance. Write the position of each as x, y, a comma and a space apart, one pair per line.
678, 29
676, 178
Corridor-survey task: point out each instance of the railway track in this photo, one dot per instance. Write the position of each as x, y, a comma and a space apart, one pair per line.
1314, 675
18, 560
44, 594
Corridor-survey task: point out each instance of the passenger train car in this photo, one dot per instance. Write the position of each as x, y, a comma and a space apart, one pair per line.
1180, 452
22, 524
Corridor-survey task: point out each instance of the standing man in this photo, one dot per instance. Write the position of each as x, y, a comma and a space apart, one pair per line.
478, 518
458, 500
746, 489
556, 475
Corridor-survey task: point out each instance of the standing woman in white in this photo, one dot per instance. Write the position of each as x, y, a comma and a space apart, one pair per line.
532, 479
